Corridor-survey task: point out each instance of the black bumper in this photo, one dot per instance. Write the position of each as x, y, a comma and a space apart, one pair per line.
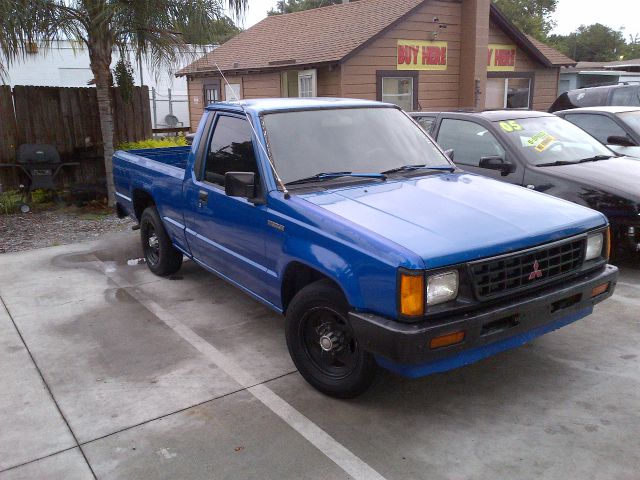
408, 343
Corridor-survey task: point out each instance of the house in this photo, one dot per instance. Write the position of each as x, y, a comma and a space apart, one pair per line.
418, 54
593, 74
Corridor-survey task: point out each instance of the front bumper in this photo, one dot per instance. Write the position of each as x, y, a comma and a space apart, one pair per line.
404, 348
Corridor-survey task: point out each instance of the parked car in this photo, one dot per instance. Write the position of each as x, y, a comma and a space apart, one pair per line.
616, 127
368, 239
545, 153
618, 95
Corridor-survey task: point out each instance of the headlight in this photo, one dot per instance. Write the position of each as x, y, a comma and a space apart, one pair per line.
442, 287
594, 246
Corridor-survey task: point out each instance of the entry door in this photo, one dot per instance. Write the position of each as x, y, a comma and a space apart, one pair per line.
211, 92
226, 233
470, 141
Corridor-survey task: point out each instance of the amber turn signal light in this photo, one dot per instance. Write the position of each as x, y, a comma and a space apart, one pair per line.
600, 289
446, 340
411, 295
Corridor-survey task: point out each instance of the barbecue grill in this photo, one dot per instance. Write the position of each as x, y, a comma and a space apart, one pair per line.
41, 163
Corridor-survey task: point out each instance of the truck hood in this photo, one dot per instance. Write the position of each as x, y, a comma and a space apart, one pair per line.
452, 218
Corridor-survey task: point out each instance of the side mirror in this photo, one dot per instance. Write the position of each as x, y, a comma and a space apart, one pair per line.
449, 153
239, 184
621, 141
495, 162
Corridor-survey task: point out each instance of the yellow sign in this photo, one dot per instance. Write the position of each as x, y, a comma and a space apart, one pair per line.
501, 58
510, 126
420, 55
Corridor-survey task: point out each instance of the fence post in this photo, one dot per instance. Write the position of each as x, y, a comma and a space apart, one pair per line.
155, 115
170, 102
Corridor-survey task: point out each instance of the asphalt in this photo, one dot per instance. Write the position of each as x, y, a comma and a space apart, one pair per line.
107, 371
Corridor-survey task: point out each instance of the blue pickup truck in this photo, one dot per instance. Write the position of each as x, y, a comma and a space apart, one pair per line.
344, 216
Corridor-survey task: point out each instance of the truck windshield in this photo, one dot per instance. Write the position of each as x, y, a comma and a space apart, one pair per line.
551, 140
357, 140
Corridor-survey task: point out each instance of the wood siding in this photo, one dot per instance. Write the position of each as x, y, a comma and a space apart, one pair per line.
545, 88
437, 90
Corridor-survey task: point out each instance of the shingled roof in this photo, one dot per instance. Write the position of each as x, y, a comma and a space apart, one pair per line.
327, 35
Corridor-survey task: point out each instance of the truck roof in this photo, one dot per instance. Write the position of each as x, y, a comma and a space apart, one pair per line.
263, 105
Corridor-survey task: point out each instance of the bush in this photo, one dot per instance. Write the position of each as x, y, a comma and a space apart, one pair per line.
178, 141
10, 202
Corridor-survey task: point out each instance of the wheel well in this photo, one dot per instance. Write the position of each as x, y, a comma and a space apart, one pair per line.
141, 200
296, 277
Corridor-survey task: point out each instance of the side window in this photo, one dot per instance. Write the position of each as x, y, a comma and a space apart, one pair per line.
469, 141
626, 96
231, 150
425, 122
599, 126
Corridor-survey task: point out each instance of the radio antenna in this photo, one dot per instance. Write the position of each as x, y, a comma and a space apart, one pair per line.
255, 133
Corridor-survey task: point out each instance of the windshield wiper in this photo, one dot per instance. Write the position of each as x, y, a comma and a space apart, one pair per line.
595, 158
319, 177
409, 168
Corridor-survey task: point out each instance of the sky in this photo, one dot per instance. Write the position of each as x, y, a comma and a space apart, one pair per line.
569, 15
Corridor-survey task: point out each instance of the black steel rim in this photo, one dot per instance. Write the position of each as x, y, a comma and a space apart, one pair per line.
152, 245
328, 342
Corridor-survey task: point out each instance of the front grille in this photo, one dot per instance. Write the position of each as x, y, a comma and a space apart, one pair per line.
511, 273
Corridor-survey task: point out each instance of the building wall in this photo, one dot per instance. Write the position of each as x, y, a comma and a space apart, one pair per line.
436, 89
545, 89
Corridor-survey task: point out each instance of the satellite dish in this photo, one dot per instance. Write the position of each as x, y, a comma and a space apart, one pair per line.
171, 121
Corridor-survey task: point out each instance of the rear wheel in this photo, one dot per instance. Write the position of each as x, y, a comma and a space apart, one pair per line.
323, 345
161, 256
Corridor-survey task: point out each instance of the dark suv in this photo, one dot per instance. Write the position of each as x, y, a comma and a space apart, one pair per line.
621, 95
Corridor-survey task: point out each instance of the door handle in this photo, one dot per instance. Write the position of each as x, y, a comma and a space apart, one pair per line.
203, 198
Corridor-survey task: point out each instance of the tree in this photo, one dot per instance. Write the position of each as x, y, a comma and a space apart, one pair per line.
530, 16
593, 43
290, 6
159, 31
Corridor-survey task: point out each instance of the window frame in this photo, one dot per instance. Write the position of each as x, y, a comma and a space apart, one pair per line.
508, 75
436, 135
202, 164
230, 86
313, 73
211, 84
414, 74
594, 114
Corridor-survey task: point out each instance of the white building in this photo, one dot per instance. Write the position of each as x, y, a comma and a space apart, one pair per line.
66, 64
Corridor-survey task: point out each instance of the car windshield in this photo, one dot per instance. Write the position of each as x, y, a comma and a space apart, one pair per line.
547, 140
349, 140
632, 119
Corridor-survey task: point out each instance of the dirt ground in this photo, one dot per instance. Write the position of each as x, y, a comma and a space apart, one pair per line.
39, 229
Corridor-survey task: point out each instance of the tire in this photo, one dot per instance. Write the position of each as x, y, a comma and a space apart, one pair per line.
161, 256
322, 344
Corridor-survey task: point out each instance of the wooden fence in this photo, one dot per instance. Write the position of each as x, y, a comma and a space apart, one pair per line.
67, 118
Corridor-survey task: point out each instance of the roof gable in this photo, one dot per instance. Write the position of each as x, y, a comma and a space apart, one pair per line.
316, 36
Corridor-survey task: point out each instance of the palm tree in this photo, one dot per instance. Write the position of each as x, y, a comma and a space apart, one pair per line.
159, 30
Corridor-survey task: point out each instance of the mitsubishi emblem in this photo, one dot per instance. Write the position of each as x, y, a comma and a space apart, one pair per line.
537, 273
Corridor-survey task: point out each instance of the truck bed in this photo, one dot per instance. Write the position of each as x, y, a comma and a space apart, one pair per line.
173, 156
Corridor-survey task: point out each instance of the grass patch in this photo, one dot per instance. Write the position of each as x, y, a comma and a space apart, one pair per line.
177, 141
10, 202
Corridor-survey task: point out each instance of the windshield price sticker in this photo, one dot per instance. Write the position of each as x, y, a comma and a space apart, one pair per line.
511, 126
541, 141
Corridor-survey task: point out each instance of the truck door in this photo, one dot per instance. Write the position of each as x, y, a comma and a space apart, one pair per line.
226, 234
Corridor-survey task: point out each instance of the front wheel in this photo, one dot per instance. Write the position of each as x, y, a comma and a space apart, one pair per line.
323, 345
161, 256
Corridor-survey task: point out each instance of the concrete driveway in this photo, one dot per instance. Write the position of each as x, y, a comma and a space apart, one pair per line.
108, 371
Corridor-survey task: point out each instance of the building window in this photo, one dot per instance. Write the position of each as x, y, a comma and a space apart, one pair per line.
307, 83
211, 92
513, 91
232, 92
399, 88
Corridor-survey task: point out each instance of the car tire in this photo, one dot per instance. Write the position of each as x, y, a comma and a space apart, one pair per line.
322, 343
161, 256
